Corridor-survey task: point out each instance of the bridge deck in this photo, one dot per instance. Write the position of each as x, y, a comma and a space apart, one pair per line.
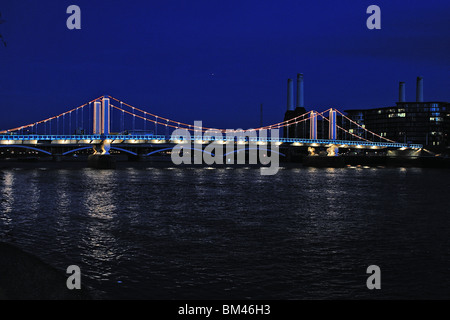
136, 139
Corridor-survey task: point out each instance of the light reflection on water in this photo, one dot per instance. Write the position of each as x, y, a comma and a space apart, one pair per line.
7, 201
196, 233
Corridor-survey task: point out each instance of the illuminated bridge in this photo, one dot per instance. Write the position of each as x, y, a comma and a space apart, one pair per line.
107, 123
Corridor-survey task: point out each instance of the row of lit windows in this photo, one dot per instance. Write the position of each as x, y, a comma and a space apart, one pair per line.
412, 108
397, 115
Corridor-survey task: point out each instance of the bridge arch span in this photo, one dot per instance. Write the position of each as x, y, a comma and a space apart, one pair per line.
247, 149
25, 147
75, 150
124, 150
167, 149
90, 147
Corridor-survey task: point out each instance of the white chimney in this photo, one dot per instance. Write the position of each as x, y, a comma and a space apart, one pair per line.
290, 95
300, 92
401, 92
419, 92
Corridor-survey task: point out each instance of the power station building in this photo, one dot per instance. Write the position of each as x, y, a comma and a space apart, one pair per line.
422, 122
418, 122
301, 128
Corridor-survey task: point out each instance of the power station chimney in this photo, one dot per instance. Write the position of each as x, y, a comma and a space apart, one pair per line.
401, 92
300, 92
290, 95
419, 92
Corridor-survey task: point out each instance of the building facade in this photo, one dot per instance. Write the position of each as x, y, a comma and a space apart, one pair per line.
419, 122
426, 123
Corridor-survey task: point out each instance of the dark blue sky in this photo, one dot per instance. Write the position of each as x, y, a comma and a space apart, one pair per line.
216, 61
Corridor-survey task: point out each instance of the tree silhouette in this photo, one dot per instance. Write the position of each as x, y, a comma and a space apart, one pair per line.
1, 37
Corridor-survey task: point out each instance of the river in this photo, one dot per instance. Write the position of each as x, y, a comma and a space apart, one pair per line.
231, 233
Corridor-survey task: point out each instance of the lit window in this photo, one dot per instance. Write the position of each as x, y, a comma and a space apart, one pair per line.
397, 115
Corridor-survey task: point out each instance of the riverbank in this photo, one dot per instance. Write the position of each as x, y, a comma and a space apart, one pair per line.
376, 161
25, 277
164, 162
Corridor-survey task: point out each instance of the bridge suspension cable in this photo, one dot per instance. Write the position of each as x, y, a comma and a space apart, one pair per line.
180, 125
373, 133
157, 120
189, 127
48, 119
339, 127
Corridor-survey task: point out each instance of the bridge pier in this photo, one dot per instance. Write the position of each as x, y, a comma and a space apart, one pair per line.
312, 151
102, 159
332, 151
102, 148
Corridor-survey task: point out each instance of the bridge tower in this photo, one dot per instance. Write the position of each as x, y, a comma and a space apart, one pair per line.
97, 118
102, 124
333, 150
102, 116
332, 125
106, 116
313, 125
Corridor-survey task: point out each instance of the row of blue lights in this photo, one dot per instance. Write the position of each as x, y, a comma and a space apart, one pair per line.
205, 138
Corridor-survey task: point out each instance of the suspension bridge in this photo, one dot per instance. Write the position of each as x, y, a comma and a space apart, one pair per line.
107, 123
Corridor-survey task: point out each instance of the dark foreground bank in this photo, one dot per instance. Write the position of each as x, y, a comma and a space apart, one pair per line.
25, 277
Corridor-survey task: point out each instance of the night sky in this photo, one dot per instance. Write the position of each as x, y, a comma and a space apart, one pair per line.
216, 61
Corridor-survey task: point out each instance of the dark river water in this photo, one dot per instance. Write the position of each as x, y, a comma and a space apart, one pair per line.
204, 233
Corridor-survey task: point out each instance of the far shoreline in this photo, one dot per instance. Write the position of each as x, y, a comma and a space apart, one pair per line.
123, 162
